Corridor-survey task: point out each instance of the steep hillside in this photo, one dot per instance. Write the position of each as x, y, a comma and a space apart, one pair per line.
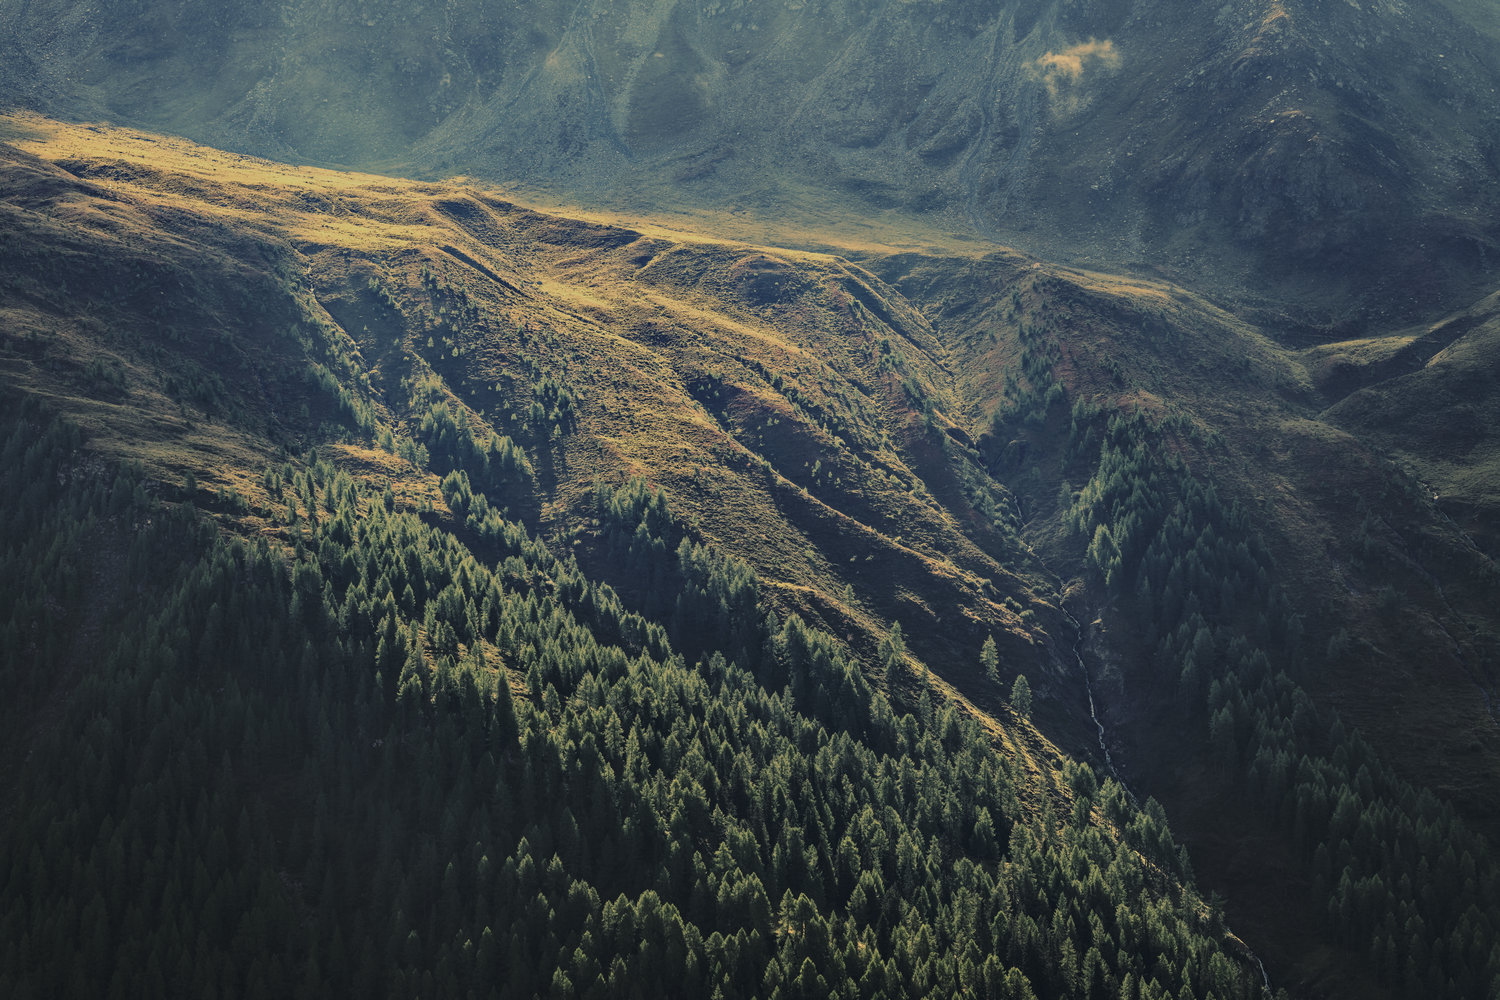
1379, 604
795, 414
1428, 395
1372, 560
322, 681
503, 454
1337, 158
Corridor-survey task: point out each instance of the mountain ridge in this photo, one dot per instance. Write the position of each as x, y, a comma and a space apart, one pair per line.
1326, 185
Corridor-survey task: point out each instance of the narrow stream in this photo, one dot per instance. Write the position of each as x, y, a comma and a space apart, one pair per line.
1109, 761
1088, 687
1265, 980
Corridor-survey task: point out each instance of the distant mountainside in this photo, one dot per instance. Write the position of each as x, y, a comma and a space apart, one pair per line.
1336, 163
482, 475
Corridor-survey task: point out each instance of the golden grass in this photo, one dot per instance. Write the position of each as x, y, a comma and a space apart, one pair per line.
634, 338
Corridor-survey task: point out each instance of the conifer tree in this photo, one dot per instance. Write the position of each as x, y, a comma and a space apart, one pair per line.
893, 652
1020, 696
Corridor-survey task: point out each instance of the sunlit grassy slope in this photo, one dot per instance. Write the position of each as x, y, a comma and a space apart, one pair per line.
778, 396
880, 426
206, 314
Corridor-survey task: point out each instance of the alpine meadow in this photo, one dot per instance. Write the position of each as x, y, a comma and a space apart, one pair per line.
785, 499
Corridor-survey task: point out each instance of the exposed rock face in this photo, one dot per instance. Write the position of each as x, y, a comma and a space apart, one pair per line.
1266, 145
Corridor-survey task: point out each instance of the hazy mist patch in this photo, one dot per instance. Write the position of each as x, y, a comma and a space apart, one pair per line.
1061, 71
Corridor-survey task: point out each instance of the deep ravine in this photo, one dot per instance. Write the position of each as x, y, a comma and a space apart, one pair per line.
1088, 687
1109, 762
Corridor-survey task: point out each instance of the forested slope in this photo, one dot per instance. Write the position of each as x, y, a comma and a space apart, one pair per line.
1294, 643
256, 770
410, 591
328, 719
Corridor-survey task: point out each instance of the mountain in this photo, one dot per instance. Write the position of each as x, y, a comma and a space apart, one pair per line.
865, 500
1333, 161
341, 615
968, 446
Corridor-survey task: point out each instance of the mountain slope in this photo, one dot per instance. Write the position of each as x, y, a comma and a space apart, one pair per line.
1378, 603
606, 352
295, 709
1338, 160
973, 446
1428, 396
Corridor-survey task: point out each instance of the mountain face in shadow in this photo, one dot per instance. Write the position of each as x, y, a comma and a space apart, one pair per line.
1337, 158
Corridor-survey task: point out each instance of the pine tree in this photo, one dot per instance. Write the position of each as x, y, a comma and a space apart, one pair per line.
893, 652
1020, 696
989, 658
